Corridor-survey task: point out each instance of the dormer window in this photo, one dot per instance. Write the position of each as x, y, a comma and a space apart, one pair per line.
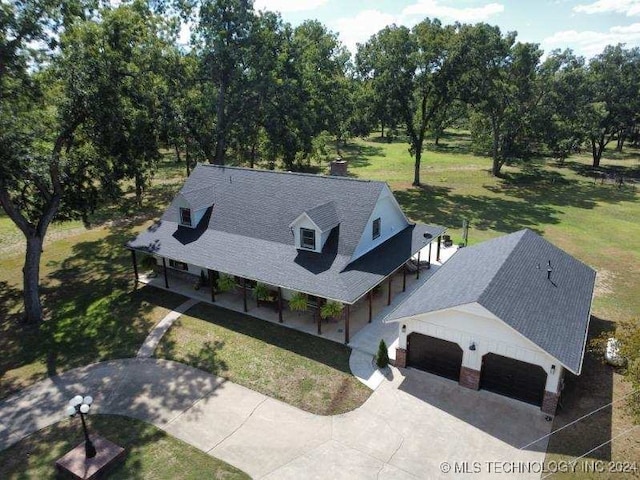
376, 228
308, 238
185, 217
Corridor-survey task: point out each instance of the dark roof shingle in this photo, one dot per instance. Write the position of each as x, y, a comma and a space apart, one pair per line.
325, 216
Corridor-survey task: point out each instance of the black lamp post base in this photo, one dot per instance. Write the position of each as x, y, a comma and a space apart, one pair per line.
89, 449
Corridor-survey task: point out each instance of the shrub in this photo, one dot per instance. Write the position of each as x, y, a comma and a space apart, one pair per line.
382, 358
331, 310
226, 283
298, 302
148, 262
261, 291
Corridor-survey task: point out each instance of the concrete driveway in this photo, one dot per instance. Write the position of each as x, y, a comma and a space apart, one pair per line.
410, 425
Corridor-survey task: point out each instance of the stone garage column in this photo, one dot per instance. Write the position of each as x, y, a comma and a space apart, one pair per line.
401, 349
470, 378
401, 358
552, 389
471, 364
550, 402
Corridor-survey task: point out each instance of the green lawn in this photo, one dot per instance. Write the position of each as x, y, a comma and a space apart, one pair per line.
151, 453
306, 371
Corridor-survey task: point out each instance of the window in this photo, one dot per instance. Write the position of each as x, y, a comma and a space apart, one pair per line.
185, 217
178, 265
376, 228
307, 238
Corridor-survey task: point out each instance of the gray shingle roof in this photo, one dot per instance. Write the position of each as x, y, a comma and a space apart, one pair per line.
262, 203
247, 232
197, 198
325, 216
508, 276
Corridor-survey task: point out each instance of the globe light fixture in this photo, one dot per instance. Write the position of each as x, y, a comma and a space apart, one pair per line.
81, 405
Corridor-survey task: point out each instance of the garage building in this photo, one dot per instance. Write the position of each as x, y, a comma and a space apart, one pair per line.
508, 315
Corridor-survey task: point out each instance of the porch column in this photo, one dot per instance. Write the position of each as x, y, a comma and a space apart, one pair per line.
389, 290
135, 265
346, 326
429, 261
438, 249
212, 282
244, 294
319, 302
370, 305
280, 304
166, 278
404, 277
418, 269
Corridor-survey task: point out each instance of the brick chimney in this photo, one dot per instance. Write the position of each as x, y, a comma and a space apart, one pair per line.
339, 167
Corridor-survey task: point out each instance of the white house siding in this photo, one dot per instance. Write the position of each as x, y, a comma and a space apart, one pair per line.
303, 221
473, 324
195, 216
392, 220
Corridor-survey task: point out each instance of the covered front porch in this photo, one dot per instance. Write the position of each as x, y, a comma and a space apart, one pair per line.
368, 309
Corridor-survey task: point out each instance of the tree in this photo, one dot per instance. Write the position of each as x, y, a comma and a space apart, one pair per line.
59, 151
563, 112
419, 68
222, 39
614, 105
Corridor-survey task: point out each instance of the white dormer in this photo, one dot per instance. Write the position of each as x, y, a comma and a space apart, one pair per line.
311, 228
192, 205
386, 220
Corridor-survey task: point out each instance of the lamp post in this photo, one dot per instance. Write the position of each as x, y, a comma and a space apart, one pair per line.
80, 405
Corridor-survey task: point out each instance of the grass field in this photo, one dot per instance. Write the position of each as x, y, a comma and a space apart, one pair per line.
86, 274
151, 453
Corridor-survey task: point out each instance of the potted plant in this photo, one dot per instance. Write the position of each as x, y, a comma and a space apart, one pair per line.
149, 263
298, 302
226, 283
331, 310
261, 291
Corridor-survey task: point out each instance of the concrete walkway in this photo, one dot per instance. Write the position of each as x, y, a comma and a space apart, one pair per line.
153, 339
410, 425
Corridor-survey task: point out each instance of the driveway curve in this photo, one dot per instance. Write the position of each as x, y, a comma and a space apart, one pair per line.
410, 425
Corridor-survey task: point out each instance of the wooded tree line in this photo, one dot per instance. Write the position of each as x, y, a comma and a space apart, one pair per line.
90, 92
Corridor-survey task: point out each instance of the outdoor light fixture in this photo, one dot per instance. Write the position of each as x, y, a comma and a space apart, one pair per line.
472, 347
81, 405
553, 369
404, 328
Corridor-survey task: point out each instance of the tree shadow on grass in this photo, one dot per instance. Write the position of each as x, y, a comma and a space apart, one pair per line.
583, 395
547, 187
359, 155
600, 174
436, 204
